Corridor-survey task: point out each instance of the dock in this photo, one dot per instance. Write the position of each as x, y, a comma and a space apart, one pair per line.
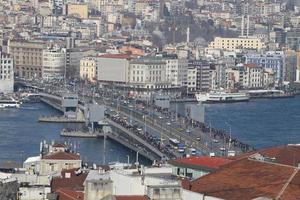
80, 134
191, 100
59, 119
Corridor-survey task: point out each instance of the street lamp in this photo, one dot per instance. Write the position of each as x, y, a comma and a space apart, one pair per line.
229, 144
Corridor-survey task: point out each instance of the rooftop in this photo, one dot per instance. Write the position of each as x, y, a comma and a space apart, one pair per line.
71, 179
249, 179
116, 56
66, 194
62, 156
130, 197
201, 162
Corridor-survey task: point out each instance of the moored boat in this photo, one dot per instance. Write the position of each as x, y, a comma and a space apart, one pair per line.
222, 97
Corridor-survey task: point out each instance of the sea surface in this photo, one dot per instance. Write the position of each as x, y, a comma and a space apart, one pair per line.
21, 135
260, 123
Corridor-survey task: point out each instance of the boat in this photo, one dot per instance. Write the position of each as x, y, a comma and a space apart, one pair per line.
9, 103
222, 97
271, 93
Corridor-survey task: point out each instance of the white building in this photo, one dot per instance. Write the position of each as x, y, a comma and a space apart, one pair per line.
54, 63
149, 73
176, 70
6, 73
113, 68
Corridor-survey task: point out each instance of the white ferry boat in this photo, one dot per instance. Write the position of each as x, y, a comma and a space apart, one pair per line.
222, 97
9, 103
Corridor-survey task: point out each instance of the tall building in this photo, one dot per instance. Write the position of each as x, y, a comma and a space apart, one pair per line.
199, 76
176, 70
6, 73
54, 63
28, 58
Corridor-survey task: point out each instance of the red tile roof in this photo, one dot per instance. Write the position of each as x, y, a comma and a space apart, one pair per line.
62, 156
58, 145
286, 154
251, 65
248, 179
130, 197
75, 182
116, 56
210, 163
66, 194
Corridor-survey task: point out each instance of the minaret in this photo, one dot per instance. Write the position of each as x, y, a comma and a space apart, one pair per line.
242, 26
188, 35
248, 25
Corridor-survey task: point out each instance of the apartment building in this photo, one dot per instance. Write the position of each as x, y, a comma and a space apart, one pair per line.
80, 10
88, 69
199, 75
6, 73
270, 60
28, 58
54, 63
148, 72
232, 44
176, 70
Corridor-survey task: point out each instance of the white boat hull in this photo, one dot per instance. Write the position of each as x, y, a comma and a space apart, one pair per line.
222, 97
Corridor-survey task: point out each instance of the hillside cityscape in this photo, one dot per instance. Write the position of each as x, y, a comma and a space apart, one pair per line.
149, 99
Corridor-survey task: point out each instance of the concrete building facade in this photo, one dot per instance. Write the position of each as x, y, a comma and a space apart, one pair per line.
6, 73
28, 58
232, 44
54, 63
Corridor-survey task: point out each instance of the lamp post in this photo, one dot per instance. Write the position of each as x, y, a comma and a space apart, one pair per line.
229, 143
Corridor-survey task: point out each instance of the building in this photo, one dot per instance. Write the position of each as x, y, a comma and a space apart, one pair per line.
113, 68
271, 173
148, 72
195, 167
54, 63
88, 69
6, 73
290, 66
28, 58
52, 160
298, 67
176, 70
199, 75
73, 57
231, 44
293, 40
270, 60
80, 10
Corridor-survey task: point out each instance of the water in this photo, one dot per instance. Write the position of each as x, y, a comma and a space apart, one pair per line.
21, 134
260, 123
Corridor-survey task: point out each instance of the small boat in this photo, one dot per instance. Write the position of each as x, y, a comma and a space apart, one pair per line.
222, 97
9, 103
